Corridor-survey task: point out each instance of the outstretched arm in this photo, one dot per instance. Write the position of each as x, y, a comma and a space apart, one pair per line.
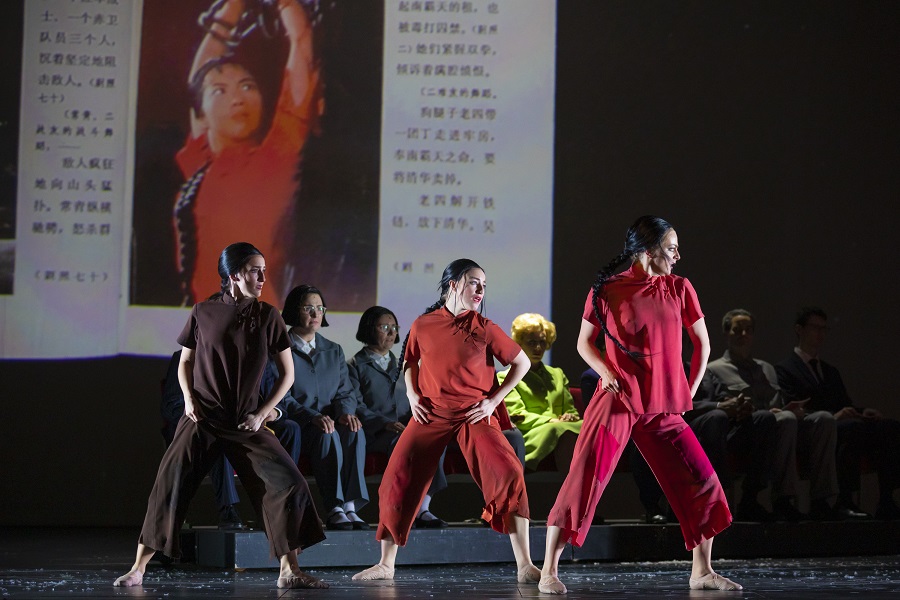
221, 27
300, 56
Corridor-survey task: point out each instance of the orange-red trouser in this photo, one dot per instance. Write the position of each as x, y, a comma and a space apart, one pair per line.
673, 453
491, 460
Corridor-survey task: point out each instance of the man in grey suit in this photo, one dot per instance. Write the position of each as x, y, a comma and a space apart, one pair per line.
748, 388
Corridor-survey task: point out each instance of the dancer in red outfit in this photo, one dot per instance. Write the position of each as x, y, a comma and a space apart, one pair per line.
641, 394
453, 393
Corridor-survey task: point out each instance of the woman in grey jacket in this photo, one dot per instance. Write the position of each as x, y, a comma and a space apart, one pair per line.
381, 393
322, 401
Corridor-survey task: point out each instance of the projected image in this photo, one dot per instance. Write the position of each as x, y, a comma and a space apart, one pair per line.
257, 121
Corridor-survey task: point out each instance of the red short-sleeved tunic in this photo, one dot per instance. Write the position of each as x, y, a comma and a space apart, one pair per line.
232, 342
457, 355
646, 314
248, 193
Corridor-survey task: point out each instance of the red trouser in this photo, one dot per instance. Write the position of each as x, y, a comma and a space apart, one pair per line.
688, 480
492, 463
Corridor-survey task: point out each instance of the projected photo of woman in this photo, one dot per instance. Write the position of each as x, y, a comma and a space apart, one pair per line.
256, 107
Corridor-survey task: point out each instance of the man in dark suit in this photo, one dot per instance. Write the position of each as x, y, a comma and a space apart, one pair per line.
861, 432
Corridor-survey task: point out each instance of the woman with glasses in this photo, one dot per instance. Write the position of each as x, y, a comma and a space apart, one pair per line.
322, 401
383, 406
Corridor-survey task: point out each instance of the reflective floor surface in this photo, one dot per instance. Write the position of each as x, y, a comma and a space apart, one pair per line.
82, 564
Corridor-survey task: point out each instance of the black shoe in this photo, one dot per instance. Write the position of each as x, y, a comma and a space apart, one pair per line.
651, 518
435, 523
887, 511
334, 524
848, 511
783, 510
229, 519
358, 524
752, 512
820, 511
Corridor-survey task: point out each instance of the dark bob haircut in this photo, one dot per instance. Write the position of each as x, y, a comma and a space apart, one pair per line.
294, 301
366, 331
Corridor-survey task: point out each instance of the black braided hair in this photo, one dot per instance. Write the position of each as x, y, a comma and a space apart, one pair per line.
645, 234
455, 271
231, 261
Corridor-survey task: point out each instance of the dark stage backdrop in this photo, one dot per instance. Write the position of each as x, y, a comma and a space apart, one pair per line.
767, 133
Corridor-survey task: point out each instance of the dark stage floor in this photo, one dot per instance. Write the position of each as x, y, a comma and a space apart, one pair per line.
62, 563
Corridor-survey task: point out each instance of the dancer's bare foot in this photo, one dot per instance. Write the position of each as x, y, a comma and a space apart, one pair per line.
714, 581
528, 574
376, 572
298, 579
550, 584
130, 579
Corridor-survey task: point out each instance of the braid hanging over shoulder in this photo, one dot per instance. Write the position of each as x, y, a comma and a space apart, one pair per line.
603, 276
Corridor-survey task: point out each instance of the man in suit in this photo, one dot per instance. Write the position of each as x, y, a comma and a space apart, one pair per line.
748, 390
861, 432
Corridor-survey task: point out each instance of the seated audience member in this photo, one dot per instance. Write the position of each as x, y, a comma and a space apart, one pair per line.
221, 472
381, 394
861, 432
747, 388
541, 405
323, 403
711, 427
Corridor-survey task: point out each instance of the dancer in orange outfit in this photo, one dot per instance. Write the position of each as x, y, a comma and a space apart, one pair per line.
641, 394
453, 393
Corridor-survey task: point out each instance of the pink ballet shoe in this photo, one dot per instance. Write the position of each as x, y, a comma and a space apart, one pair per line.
714, 581
550, 584
374, 573
528, 574
132, 578
300, 580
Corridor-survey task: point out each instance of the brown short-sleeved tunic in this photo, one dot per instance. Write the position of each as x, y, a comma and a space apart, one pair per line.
232, 342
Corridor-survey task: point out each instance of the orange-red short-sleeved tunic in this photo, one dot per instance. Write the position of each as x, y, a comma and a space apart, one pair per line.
248, 193
457, 356
647, 314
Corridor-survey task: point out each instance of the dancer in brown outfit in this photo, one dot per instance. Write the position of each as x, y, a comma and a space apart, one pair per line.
226, 343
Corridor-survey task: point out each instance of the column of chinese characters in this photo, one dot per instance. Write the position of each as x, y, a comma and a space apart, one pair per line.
76, 85
441, 160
